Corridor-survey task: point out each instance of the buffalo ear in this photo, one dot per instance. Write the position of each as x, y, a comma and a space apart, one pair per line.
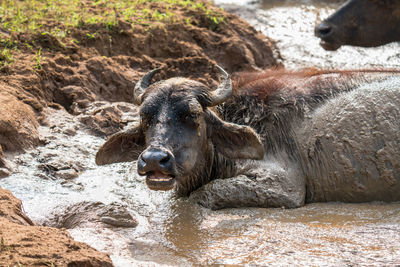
122, 147
233, 140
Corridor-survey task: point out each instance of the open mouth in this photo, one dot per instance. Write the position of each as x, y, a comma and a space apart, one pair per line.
160, 181
329, 46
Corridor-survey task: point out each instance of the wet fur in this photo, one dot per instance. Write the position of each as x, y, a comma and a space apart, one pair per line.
273, 102
214, 164
277, 103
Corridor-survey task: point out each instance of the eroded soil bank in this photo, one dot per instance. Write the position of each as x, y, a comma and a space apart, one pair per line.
43, 73
108, 61
25, 244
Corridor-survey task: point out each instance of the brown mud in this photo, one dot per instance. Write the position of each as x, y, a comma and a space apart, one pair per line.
71, 77
22, 243
72, 96
106, 67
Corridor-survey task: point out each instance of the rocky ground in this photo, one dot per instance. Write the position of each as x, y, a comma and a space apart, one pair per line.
97, 62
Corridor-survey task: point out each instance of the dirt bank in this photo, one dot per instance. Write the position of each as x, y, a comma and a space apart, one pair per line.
23, 244
68, 66
99, 62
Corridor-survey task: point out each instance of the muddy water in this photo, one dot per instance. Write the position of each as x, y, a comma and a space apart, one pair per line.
174, 231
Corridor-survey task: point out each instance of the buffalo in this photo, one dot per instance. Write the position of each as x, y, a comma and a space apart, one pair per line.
340, 131
365, 23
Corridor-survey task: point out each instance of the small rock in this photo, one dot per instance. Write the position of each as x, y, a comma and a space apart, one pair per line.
104, 121
67, 174
57, 168
91, 213
119, 222
83, 103
4, 172
70, 132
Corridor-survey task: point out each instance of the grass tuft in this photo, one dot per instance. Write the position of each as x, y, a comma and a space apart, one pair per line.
38, 60
6, 58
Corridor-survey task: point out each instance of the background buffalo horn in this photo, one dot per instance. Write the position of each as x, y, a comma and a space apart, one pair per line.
141, 86
224, 90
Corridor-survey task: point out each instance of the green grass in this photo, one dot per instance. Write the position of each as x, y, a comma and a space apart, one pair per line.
6, 58
60, 19
57, 16
91, 35
7, 45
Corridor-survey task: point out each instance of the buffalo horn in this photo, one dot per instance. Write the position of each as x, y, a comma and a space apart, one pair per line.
142, 84
224, 90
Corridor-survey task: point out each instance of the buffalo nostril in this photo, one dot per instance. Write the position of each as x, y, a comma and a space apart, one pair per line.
165, 159
141, 163
141, 160
155, 156
323, 30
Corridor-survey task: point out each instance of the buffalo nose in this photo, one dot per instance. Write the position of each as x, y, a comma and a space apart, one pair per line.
155, 160
323, 30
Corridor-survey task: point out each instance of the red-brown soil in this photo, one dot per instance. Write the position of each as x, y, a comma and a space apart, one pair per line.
23, 244
105, 67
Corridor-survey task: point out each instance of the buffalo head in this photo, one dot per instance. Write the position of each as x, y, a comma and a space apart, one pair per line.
364, 23
179, 136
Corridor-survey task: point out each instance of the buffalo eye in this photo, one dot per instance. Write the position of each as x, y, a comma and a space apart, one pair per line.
146, 119
148, 112
191, 119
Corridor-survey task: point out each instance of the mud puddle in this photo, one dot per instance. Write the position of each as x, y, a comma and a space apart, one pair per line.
174, 231
61, 186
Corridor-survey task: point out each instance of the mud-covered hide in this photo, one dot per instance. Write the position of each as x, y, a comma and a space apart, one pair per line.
180, 143
350, 146
327, 136
269, 183
275, 102
340, 128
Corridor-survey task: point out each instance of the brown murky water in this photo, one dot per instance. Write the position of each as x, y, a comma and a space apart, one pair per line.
176, 232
